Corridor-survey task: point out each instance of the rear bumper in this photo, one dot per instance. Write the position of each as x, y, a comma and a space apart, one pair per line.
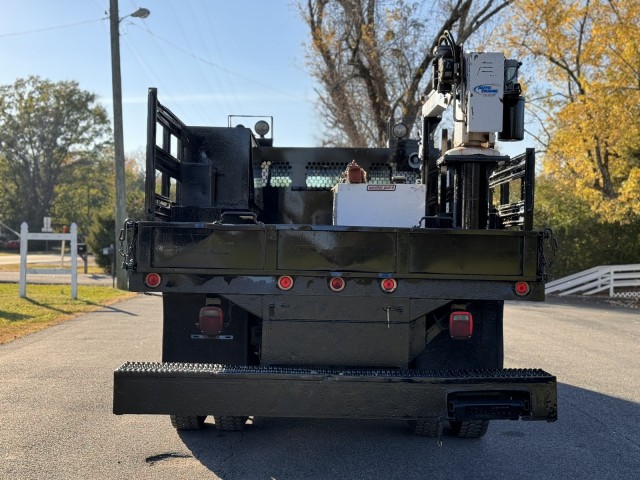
204, 389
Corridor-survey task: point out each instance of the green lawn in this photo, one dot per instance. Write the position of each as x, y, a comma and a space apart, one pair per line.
47, 305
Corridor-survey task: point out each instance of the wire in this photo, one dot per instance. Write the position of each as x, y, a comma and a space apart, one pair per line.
219, 67
57, 27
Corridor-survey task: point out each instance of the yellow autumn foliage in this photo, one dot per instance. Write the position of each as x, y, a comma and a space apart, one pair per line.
588, 52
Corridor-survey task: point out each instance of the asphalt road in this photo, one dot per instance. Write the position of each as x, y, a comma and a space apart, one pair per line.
56, 420
13, 259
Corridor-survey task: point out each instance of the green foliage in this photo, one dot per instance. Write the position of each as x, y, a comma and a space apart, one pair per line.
135, 180
85, 190
48, 133
585, 240
102, 231
102, 234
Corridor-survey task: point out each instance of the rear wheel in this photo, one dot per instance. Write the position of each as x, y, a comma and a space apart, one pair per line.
230, 423
187, 422
470, 428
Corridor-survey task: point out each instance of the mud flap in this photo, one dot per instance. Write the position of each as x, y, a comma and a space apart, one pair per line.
207, 389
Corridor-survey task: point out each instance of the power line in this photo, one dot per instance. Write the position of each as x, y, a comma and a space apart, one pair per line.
219, 67
47, 29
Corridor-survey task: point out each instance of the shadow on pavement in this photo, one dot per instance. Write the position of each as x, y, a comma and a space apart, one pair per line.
596, 436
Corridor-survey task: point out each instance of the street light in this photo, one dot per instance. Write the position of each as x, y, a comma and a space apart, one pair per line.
118, 137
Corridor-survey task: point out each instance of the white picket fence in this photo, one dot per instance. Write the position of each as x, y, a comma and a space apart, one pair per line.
622, 281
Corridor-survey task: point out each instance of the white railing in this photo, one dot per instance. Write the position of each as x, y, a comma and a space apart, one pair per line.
603, 279
25, 236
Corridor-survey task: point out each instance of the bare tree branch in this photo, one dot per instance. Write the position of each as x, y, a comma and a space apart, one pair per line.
372, 58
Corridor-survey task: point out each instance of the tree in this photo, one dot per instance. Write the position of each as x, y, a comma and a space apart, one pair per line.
588, 54
371, 57
83, 193
584, 241
48, 131
102, 229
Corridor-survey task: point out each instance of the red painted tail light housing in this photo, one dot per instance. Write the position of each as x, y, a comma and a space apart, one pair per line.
461, 325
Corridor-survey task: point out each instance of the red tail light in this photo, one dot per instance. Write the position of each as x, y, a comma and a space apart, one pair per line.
337, 284
152, 280
522, 288
388, 285
211, 320
460, 325
285, 282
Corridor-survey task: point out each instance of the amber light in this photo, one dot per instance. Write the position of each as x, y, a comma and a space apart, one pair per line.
285, 282
337, 284
152, 280
522, 288
388, 285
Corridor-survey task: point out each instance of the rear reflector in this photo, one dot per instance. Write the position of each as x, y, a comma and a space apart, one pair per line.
211, 320
285, 282
522, 288
337, 284
460, 325
152, 280
388, 285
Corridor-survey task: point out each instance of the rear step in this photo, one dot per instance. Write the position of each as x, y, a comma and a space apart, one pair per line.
208, 389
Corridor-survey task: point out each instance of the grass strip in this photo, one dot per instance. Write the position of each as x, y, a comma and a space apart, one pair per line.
48, 305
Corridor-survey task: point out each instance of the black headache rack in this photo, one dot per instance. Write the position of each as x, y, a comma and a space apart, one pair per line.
188, 389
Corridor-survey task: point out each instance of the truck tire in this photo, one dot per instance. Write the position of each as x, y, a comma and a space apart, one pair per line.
230, 423
426, 427
470, 428
187, 422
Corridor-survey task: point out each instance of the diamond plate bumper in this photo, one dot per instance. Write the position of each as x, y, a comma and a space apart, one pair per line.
206, 389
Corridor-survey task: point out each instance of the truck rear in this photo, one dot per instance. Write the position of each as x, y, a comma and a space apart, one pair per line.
332, 282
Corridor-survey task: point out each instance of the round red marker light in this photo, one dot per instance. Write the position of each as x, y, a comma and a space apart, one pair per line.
285, 282
152, 280
522, 288
388, 285
337, 284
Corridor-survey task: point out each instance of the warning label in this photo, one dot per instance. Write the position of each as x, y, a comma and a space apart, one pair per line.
381, 188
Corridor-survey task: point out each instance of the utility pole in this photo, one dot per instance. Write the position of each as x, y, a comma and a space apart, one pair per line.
118, 135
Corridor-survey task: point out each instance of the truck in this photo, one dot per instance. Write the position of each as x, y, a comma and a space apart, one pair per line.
342, 282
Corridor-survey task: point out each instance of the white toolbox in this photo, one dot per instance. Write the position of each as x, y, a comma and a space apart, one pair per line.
366, 205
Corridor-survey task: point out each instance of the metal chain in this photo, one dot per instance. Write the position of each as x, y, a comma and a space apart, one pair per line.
548, 251
127, 244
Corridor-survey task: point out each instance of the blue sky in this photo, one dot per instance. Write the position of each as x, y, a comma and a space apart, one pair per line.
208, 59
